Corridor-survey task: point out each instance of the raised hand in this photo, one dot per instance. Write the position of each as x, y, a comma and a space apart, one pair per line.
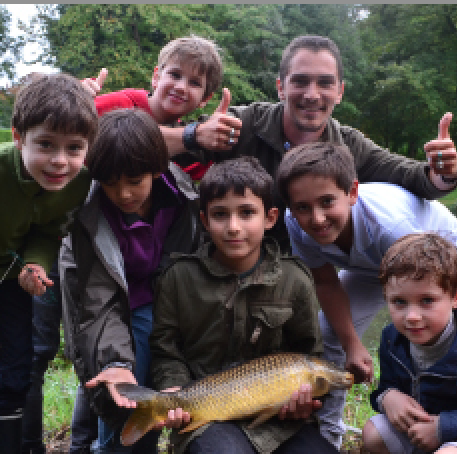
221, 131
441, 152
33, 279
93, 86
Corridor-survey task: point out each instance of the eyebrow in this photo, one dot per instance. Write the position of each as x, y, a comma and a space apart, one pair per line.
325, 77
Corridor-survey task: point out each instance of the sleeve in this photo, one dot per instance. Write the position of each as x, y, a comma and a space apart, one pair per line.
168, 365
387, 379
302, 330
448, 426
96, 323
309, 255
376, 164
109, 101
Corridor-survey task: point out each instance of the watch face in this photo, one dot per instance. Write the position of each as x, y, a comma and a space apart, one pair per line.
190, 143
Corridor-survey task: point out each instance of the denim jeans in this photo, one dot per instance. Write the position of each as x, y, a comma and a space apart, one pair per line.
142, 322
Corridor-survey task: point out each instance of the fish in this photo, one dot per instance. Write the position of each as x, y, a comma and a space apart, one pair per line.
257, 389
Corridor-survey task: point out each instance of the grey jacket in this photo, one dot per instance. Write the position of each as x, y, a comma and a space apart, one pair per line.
95, 306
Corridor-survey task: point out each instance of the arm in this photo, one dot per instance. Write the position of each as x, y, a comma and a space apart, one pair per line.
374, 163
335, 305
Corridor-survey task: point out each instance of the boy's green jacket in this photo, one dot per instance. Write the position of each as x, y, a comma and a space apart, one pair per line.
34, 220
207, 318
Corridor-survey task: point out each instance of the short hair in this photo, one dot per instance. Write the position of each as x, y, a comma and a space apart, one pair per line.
128, 142
418, 255
58, 101
238, 174
311, 42
198, 52
323, 159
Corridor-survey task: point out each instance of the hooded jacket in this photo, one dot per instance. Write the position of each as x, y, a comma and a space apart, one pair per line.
95, 305
207, 318
435, 389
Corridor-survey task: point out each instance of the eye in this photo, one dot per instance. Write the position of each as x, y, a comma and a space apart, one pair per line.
175, 74
427, 301
399, 302
302, 208
218, 214
247, 212
327, 201
301, 81
326, 82
195, 82
75, 148
45, 143
135, 181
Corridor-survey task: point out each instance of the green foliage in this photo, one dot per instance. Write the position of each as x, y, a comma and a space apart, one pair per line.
5, 135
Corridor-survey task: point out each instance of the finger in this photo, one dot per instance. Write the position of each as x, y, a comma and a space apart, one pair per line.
418, 414
101, 77
225, 101
443, 128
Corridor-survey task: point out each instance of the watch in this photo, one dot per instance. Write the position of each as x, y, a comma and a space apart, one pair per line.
188, 136
448, 180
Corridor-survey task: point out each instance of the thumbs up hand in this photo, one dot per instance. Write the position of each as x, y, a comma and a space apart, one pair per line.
221, 131
93, 86
442, 156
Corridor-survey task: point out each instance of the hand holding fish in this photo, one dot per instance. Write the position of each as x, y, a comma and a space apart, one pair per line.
111, 377
301, 404
359, 362
176, 417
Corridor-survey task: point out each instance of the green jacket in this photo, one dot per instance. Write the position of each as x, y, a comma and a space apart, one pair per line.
34, 220
262, 136
205, 316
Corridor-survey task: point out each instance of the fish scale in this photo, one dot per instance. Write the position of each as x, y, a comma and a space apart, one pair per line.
258, 389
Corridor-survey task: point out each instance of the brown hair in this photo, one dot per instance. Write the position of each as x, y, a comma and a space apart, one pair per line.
311, 42
58, 101
420, 254
129, 142
319, 158
237, 174
198, 52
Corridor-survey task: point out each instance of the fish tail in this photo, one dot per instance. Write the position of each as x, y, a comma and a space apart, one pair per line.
140, 422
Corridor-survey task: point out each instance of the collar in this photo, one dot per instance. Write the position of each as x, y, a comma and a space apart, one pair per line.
30, 187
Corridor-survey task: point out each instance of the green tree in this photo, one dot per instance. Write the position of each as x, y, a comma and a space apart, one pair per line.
9, 47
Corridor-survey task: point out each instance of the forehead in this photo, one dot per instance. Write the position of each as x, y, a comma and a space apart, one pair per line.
306, 188
307, 61
232, 200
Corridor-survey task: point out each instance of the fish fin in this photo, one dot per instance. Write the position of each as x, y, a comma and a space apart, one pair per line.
192, 426
263, 415
137, 425
135, 392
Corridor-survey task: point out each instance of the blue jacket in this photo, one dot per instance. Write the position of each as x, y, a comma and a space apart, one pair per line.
435, 389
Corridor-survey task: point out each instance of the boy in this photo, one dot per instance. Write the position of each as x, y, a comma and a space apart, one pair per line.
335, 222
189, 70
43, 181
236, 299
416, 395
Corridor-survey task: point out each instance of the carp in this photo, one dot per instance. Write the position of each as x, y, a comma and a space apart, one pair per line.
257, 389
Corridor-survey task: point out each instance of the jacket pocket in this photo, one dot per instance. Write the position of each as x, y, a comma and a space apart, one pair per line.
267, 326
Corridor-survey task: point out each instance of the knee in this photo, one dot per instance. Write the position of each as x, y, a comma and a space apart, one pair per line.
372, 440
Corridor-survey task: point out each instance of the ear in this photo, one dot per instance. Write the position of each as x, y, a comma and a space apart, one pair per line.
354, 192
155, 78
340, 95
454, 301
205, 101
280, 89
17, 139
204, 219
271, 217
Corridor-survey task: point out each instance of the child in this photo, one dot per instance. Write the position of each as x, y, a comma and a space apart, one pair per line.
138, 212
43, 180
236, 299
417, 393
333, 221
188, 72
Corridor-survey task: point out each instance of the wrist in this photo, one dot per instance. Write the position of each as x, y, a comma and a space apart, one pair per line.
189, 136
449, 179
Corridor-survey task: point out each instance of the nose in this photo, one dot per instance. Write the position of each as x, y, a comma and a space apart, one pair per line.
181, 84
234, 224
124, 192
311, 90
318, 216
59, 158
413, 314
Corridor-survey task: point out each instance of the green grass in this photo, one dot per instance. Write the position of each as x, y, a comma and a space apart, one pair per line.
5, 135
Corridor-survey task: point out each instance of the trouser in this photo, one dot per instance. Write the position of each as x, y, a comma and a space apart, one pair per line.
109, 439
47, 311
15, 361
366, 299
84, 424
228, 438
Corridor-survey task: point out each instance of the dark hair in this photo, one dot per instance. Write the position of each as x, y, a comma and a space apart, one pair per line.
321, 159
418, 255
58, 101
311, 42
198, 52
129, 142
238, 174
